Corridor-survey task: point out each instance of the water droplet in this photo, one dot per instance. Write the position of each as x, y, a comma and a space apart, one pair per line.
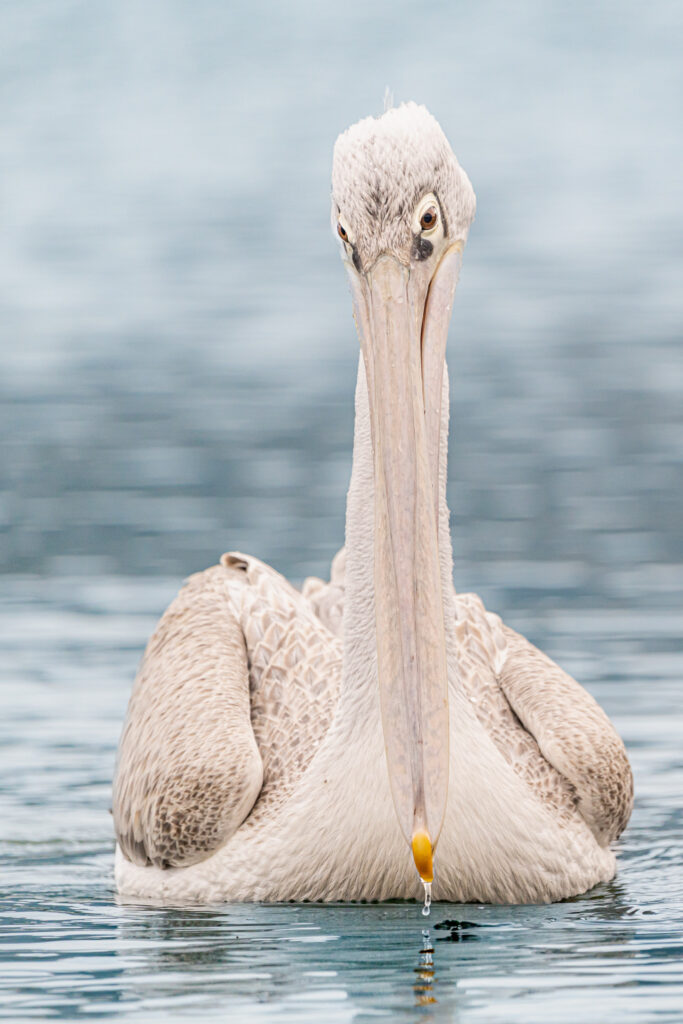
428, 898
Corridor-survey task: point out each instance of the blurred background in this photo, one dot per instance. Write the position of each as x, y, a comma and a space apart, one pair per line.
178, 354
177, 359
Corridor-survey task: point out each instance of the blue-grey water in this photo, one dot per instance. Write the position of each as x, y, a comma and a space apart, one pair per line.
177, 360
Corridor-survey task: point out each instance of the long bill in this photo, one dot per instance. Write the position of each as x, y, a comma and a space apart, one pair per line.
402, 320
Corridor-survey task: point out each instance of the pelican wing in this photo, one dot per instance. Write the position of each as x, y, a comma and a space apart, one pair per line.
573, 733
189, 769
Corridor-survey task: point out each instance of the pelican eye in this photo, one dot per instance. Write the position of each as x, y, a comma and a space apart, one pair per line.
342, 232
429, 218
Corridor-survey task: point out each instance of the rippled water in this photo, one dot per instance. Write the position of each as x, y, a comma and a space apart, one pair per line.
176, 370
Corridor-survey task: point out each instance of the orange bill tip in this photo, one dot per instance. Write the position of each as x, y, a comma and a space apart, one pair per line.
423, 855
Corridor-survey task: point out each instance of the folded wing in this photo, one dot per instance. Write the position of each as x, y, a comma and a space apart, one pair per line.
573, 733
189, 769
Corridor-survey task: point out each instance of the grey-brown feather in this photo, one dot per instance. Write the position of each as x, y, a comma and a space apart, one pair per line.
189, 769
573, 733
295, 666
481, 650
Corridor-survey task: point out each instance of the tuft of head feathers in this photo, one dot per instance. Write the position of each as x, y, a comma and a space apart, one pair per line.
383, 166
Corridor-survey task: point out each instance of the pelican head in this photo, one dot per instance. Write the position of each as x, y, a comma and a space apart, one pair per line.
402, 207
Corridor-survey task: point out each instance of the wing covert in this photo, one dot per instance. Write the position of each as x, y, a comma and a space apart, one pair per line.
188, 768
573, 733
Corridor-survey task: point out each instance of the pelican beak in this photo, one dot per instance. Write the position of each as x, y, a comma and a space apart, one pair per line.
402, 316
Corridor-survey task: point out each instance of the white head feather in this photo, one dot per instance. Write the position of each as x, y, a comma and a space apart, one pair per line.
382, 168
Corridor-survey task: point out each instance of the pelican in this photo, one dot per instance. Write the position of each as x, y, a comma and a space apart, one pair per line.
358, 738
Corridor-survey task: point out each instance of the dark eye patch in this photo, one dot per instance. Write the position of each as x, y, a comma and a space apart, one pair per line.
422, 248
